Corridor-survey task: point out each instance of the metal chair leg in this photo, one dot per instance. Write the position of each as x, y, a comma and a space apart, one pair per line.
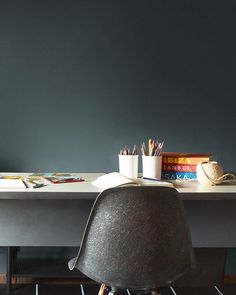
113, 291
128, 292
218, 291
82, 289
36, 289
173, 291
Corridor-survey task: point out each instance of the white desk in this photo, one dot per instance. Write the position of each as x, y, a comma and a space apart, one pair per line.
189, 190
55, 215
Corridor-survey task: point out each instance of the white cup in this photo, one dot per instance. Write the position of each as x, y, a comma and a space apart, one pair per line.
128, 165
152, 166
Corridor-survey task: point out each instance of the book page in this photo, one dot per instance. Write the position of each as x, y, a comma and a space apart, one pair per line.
112, 180
116, 179
154, 182
11, 183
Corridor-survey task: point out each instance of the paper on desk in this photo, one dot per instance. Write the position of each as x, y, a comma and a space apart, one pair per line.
154, 182
11, 183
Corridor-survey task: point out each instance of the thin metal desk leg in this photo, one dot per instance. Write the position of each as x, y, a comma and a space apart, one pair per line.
9, 270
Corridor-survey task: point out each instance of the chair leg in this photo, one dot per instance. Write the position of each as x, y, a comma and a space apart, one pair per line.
82, 289
102, 290
149, 292
36, 289
218, 291
115, 291
128, 292
173, 291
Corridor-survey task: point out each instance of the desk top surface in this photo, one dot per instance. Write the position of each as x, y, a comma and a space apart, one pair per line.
189, 190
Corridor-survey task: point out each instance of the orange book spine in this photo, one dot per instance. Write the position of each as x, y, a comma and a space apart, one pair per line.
183, 160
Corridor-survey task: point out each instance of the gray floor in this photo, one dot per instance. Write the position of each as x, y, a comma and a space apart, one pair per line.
52, 289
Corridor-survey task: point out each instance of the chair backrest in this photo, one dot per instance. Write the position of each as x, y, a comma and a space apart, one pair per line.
136, 238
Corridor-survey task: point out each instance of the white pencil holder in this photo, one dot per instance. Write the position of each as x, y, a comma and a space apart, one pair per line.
128, 165
152, 166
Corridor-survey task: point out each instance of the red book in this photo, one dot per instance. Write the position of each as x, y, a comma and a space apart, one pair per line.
170, 167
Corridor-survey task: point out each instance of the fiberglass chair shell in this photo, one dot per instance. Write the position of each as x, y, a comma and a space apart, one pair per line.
136, 238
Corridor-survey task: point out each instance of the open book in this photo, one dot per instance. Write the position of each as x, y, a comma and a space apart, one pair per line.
6, 183
116, 179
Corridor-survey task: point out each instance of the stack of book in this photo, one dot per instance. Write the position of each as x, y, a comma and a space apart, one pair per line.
181, 166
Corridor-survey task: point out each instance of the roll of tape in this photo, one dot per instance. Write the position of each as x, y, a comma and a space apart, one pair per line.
210, 173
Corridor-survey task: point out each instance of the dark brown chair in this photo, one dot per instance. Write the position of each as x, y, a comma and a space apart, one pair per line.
136, 238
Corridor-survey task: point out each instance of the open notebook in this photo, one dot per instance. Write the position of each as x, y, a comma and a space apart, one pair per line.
116, 179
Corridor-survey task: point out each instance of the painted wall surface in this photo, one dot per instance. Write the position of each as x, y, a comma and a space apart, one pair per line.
81, 79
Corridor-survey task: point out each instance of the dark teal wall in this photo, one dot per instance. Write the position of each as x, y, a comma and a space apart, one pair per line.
80, 79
